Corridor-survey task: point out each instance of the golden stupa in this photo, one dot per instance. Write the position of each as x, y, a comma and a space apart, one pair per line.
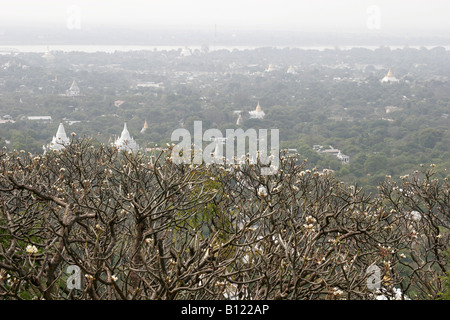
389, 77
389, 74
257, 113
258, 108
145, 127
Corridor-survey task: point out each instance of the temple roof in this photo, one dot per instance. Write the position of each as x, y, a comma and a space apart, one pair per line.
125, 133
74, 86
125, 141
61, 133
59, 141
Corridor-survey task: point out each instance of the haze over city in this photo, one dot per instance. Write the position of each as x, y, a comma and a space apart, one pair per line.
266, 22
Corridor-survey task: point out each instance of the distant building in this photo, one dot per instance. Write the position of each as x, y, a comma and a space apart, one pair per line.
334, 152
118, 103
125, 142
270, 68
74, 90
239, 120
40, 118
150, 85
317, 147
291, 70
257, 113
59, 141
344, 158
48, 56
145, 127
185, 52
6, 119
389, 77
390, 109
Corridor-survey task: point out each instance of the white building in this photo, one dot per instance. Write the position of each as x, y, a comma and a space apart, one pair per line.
333, 152
344, 158
291, 70
59, 141
185, 52
74, 90
239, 120
270, 68
257, 113
40, 118
126, 142
48, 56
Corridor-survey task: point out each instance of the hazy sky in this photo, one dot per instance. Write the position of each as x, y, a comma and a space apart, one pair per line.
325, 15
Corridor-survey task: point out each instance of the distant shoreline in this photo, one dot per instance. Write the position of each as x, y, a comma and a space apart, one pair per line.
127, 48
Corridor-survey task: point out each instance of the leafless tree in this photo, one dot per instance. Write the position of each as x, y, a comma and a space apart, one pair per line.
421, 203
140, 226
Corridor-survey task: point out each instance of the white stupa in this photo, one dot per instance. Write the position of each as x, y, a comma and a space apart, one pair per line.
270, 68
257, 113
59, 141
126, 142
291, 70
185, 52
48, 56
389, 77
74, 90
239, 120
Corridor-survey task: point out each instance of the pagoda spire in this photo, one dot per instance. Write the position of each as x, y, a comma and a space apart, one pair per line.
389, 77
126, 141
239, 120
389, 74
258, 108
257, 113
145, 127
59, 141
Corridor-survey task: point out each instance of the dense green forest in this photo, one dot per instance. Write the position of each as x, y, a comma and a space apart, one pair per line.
335, 98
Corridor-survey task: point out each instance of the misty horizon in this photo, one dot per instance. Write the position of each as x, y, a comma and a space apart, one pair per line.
283, 22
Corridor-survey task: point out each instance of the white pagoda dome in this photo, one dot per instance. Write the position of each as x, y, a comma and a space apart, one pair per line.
59, 141
257, 113
389, 77
126, 142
